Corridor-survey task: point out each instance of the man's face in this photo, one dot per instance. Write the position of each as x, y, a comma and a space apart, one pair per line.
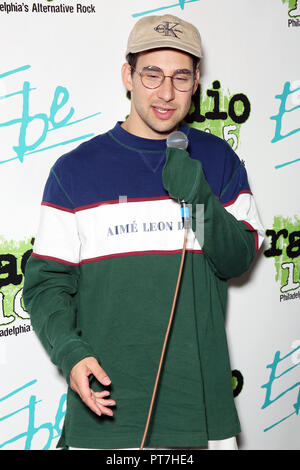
157, 112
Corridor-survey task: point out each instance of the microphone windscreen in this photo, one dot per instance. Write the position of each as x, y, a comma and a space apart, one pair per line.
177, 139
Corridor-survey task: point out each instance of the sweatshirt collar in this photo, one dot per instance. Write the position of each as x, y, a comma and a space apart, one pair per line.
140, 143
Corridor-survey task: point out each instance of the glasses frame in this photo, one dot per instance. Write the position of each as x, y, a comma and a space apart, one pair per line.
164, 76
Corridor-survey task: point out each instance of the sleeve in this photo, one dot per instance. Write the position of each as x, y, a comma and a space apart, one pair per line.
227, 227
51, 279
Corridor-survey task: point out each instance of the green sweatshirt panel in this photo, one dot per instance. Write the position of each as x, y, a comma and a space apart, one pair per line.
194, 399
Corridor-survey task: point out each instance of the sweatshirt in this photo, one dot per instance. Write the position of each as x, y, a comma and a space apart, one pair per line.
101, 280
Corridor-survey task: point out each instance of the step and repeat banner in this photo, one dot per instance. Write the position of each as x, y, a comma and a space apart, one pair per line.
60, 85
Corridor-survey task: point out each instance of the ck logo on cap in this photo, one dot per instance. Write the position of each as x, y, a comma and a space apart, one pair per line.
168, 29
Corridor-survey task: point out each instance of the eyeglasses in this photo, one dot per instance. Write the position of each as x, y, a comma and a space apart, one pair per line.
152, 77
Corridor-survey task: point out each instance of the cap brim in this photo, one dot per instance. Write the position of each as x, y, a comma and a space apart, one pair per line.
166, 44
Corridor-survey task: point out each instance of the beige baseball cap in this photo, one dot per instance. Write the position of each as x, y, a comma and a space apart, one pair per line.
153, 32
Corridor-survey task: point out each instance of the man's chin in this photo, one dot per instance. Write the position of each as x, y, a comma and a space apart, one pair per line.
164, 129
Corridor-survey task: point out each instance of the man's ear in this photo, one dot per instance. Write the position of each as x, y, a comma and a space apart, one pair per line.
126, 76
197, 73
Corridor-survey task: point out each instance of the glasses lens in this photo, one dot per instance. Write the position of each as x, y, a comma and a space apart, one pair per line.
152, 78
183, 81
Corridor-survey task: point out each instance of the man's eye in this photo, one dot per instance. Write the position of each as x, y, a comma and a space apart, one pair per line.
182, 78
152, 75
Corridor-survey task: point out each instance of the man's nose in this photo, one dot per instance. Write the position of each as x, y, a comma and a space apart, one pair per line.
166, 91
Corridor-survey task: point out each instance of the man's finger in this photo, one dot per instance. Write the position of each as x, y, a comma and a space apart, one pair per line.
103, 398
92, 404
100, 373
103, 404
104, 393
106, 411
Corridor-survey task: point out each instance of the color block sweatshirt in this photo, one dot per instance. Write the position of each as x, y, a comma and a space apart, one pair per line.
102, 276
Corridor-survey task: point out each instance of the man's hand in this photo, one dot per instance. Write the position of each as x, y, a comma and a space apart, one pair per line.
79, 382
179, 173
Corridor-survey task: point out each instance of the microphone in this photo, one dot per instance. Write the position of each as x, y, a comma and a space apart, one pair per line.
179, 140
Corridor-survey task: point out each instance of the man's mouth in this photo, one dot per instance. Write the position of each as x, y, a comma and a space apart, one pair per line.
163, 113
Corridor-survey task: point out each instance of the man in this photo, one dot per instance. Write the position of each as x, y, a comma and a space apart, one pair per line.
101, 279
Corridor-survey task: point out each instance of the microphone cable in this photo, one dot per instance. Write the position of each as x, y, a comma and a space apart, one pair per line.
186, 223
